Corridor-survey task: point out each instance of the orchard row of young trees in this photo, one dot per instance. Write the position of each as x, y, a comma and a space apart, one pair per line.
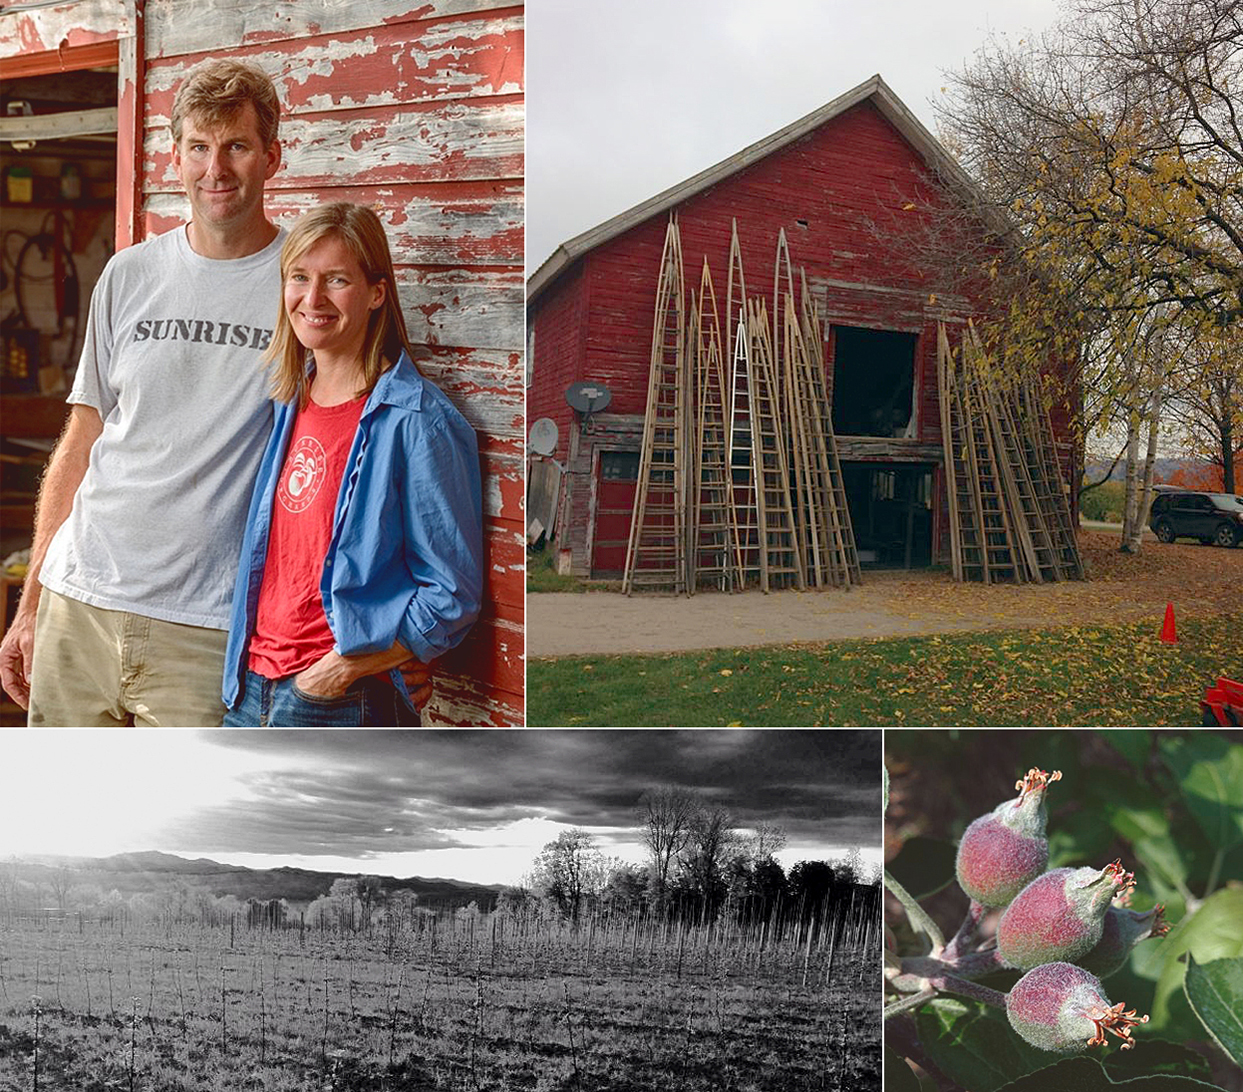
1106, 221
701, 863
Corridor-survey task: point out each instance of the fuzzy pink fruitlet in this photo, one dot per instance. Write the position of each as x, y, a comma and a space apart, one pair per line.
1121, 930
1059, 916
1061, 1007
1003, 851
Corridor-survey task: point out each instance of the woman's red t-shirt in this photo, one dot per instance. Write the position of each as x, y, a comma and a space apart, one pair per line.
291, 630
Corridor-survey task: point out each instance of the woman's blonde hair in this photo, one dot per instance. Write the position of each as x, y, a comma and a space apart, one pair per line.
361, 231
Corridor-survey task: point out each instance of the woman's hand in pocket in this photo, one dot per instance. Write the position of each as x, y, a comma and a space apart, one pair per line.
329, 677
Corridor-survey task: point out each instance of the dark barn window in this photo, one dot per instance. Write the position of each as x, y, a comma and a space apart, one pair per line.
873, 381
619, 466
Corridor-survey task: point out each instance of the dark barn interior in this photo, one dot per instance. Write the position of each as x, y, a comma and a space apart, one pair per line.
873, 381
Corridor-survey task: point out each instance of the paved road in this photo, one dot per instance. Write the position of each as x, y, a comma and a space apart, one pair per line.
568, 623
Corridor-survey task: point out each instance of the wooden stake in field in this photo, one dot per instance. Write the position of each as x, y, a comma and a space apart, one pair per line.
38, 1013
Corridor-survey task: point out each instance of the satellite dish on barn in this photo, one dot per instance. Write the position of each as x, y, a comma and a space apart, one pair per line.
588, 398
543, 437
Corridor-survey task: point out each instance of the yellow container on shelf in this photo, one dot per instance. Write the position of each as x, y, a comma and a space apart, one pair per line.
20, 185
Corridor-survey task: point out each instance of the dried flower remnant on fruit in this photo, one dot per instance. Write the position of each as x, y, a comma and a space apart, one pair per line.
1059, 916
1117, 1022
1034, 781
1063, 1008
1121, 931
1003, 851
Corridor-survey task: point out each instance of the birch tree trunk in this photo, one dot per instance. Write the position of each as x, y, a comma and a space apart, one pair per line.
1144, 490
1130, 501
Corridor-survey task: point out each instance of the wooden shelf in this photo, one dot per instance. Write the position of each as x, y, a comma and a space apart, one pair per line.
37, 416
59, 203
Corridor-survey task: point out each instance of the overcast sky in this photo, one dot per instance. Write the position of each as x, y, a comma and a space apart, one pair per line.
471, 805
627, 99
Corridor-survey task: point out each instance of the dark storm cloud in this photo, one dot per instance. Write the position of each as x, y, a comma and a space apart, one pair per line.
353, 793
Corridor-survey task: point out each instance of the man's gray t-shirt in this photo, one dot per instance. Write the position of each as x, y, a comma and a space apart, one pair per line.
172, 363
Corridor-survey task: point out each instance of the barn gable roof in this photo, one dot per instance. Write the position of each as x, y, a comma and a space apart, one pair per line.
875, 90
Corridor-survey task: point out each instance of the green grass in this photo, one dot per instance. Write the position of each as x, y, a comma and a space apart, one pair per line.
1078, 675
542, 575
1104, 502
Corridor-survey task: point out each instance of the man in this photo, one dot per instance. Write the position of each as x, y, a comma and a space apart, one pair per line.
141, 511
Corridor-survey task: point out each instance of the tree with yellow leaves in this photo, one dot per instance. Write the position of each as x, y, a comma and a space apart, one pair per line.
1109, 159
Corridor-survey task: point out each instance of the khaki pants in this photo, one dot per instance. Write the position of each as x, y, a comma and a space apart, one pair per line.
96, 668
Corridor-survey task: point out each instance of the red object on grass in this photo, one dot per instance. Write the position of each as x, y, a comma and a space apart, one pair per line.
1223, 704
1168, 635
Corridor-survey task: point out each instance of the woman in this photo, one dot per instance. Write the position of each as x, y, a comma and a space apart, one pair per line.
364, 543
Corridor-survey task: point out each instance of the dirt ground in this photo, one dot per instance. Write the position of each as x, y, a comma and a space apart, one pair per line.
1198, 580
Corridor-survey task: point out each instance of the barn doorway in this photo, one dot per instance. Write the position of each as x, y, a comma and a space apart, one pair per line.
59, 172
873, 382
891, 513
616, 478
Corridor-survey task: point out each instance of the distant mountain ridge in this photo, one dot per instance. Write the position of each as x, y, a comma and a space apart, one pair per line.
133, 873
1163, 469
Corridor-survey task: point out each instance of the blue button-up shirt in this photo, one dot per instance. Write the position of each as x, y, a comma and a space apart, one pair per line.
405, 562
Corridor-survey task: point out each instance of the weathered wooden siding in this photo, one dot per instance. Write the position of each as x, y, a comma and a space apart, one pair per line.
839, 192
64, 26
416, 109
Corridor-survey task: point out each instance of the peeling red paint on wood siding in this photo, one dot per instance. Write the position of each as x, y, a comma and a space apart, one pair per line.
179, 28
416, 110
68, 25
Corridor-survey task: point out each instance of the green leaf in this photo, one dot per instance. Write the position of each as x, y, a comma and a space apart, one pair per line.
923, 866
1210, 773
1133, 744
1215, 992
898, 1075
1211, 933
1151, 1056
1149, 832
1087, 1075
974, 1045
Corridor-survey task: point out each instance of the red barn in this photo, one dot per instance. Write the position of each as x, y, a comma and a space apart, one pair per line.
414, 107
837, 182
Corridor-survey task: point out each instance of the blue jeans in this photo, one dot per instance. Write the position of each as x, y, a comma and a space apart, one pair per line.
371, 702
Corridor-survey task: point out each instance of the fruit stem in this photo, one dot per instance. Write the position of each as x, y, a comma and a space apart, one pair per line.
972, 965
905, 1004
916, 914
1214, 873
952, 984
966, 931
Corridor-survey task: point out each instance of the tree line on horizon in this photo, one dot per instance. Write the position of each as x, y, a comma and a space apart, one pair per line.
702, 864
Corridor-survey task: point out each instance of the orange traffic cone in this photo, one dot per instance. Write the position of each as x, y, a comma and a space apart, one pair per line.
1167, 630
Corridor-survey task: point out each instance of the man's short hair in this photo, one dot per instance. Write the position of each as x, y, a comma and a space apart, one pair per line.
216, 90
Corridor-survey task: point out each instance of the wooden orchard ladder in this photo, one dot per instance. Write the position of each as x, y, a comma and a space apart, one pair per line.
713, 551
780, 561
825, 556
655, 552
1051, 492
1000, 555
735, 294
843, 557
961, 481
748, 500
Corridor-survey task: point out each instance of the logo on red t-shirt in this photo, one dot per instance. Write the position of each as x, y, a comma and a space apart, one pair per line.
306, 467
